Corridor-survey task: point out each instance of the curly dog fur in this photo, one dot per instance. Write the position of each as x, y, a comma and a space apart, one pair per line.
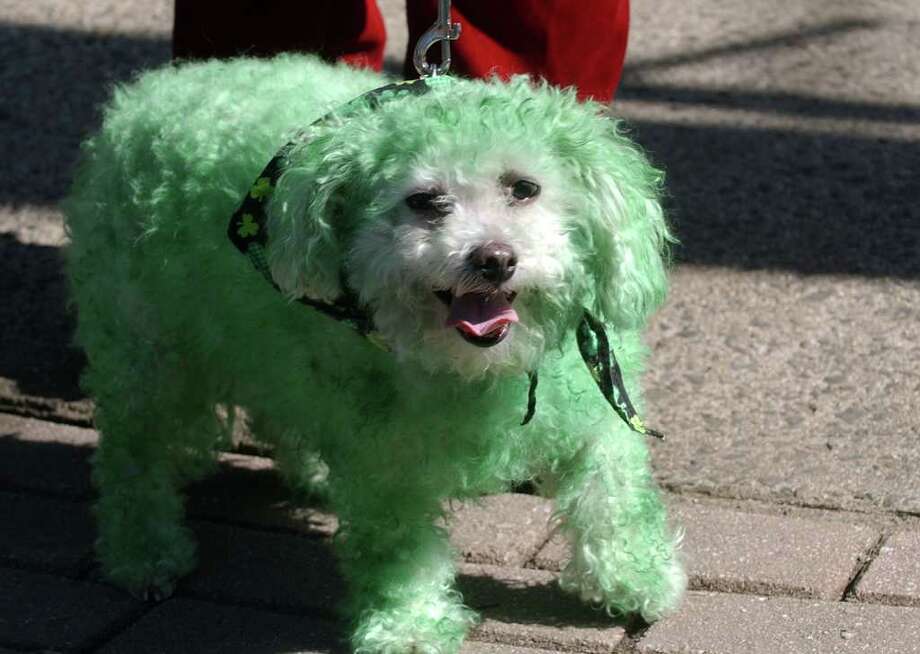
176, 322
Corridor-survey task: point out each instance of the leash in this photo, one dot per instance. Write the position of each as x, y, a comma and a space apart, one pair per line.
248, 231
444, 31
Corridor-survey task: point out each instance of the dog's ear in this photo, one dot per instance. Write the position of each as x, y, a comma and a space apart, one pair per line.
307, 221
622, 229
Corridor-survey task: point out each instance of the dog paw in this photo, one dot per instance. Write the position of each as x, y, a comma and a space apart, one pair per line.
650, 593
149, 581
436, 629
155, 593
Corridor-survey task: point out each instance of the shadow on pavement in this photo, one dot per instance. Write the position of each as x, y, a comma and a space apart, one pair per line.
772, 102
251, 554
53, 468
53, 82
37, 327
543, 604
784, 199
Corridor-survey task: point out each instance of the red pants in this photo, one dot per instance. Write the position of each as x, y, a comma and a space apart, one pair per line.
579, 43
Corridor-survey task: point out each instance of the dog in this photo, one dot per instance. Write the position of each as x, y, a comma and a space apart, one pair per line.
411, 262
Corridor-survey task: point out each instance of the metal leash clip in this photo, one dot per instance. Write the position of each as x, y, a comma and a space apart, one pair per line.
444, 31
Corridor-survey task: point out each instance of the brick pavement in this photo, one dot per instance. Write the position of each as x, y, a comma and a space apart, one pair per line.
764, 578
767, 139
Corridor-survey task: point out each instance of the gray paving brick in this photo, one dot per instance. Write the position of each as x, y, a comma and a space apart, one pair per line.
270, 569
14, 399
53, 535
718, 623
45, 456
478, 647
180, 626
736, 551
553, 555
247, 490
42, 611
729, 550
525, 608
505, 529
894, 576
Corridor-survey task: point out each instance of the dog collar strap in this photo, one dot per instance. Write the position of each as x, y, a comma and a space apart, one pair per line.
531, 398
599, 357
248, 228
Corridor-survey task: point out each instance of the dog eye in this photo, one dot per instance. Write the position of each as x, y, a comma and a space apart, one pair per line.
524, 189
429, 202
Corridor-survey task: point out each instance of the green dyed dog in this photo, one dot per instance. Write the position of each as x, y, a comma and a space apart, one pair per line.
417, 259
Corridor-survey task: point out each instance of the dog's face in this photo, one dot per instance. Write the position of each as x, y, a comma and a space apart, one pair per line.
472, 247
474, 223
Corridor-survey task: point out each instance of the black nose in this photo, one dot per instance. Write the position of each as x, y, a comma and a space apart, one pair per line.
494, 262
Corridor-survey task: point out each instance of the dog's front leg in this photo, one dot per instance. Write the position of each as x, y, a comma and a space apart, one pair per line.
400, 571
149, 448
623, 555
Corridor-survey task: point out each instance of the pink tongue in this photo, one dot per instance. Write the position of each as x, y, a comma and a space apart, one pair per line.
479, 314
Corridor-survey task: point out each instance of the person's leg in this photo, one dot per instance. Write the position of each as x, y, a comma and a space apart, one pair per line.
579, 44
345, 30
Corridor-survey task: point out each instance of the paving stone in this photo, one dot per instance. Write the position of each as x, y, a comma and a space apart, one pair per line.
553, 555
718, 623
506, 529
736, 551
247, 490
477, 647
182, 625
894, 576
42, 611
270, 569
729, 550
525, 608
179, 626
51, 457
14, 399
45, 456
52, 535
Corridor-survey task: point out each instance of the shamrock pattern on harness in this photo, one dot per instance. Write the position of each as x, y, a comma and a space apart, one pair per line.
248, 226
261, 189
597, 354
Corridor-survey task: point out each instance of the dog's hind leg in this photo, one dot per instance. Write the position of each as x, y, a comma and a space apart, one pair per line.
157, 433
623, 553
297, 459
400, 570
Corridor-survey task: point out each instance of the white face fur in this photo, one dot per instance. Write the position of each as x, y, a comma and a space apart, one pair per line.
424, 241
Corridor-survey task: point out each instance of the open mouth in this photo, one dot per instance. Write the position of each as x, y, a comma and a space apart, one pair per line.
482, 319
